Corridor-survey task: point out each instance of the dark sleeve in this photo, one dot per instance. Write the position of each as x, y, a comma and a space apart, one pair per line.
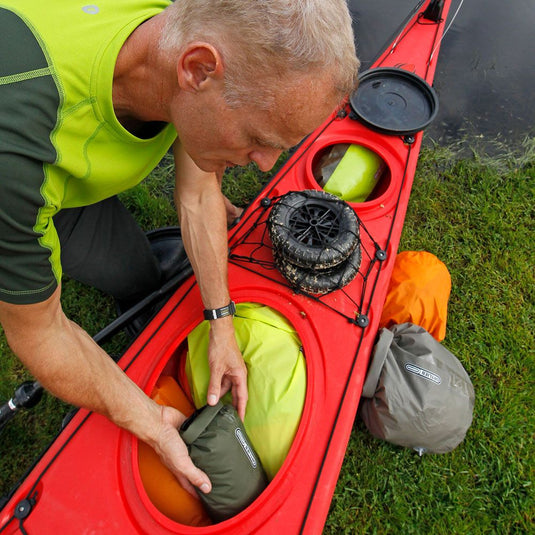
29, 101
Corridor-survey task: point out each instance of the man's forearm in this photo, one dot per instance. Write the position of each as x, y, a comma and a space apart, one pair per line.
203, 221
202, 214
69, 364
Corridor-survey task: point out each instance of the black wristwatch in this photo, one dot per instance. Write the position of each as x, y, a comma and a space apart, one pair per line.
216, 313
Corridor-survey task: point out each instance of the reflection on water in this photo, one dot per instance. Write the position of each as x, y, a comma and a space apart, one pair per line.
485, 72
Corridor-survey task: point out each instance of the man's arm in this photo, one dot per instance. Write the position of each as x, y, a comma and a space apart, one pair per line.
70, 365
203, 221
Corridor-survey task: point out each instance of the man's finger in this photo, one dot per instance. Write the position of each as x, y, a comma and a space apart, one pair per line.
226, 385
239, 399
187, 486
195, 479
214, 389
190, 476
174, 454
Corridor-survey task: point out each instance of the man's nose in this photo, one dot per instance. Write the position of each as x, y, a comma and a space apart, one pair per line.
265, 158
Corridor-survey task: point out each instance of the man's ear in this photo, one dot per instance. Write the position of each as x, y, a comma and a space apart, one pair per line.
198, 64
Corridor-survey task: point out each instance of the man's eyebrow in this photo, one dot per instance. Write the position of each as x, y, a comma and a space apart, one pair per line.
270, 143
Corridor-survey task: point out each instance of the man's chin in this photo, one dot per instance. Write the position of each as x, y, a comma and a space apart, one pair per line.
210, 166
206, 166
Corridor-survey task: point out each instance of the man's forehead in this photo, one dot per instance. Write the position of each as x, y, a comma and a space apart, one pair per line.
284, 133
308, 94
299, 106
300, 119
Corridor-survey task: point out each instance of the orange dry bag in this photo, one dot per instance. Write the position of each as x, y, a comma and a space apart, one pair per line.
164, 491
418, 293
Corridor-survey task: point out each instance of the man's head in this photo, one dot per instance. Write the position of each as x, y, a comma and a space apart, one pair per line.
268, 40
259, 76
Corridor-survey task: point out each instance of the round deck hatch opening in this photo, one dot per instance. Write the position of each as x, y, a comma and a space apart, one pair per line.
351, 172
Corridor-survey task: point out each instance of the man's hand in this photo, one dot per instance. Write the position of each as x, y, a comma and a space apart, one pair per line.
227, 368
233, 212
174, 454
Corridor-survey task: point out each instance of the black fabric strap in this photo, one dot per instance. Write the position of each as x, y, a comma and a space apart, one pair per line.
216, 313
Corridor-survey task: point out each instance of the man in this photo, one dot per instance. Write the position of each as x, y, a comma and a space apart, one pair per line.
91, 97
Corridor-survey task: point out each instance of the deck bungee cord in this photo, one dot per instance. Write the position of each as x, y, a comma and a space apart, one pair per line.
432, 16
375, 252
447, 29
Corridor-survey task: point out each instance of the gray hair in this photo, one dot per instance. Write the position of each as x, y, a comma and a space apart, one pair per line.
262, 40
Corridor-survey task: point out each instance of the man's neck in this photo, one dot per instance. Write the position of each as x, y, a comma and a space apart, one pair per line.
142, 80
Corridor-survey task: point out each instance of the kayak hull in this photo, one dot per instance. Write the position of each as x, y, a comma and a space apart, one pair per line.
88, 481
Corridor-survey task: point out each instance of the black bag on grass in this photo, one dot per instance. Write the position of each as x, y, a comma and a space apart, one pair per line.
219, 446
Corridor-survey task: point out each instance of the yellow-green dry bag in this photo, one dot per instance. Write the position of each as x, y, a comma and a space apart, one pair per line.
276, 378
356, 174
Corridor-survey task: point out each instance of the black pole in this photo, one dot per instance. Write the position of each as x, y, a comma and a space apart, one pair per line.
27, 395
129, 315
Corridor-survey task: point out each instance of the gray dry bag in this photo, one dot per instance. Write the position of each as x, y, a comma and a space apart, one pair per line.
416, 394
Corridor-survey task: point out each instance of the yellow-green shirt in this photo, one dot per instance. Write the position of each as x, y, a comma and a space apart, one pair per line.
61, 144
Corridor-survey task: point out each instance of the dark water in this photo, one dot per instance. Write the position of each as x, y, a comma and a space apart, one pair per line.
486, 70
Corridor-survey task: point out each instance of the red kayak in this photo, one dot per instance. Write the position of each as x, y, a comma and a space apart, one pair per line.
88, 481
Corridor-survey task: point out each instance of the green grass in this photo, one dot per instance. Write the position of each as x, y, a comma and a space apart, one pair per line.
477, 215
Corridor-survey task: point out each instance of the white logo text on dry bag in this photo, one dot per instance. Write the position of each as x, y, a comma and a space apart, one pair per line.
246, 448
421, 372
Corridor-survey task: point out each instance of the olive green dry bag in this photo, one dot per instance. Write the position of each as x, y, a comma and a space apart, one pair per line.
219, 446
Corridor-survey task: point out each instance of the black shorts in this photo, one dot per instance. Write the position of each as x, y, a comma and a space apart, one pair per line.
102, 246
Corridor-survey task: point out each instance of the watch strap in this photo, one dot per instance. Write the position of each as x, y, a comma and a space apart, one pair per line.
216, 313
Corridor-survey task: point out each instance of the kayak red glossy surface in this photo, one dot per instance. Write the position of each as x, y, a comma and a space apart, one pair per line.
88, 481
